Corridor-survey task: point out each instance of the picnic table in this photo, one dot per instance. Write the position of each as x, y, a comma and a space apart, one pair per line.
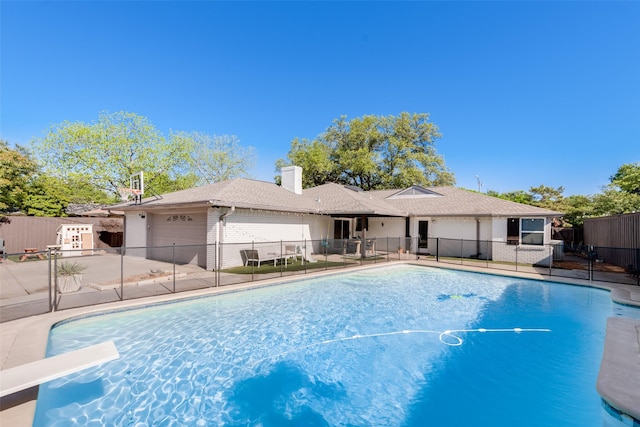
31, 252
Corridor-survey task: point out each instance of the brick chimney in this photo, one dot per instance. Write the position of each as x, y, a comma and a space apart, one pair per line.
291, 178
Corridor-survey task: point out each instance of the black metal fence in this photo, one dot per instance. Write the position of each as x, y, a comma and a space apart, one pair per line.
37, 282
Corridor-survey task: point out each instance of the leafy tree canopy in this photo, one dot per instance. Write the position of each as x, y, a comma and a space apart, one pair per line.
215, 158
621, 195
47, 196
16, 169
627, 178
107, 152
372, 152
519, 196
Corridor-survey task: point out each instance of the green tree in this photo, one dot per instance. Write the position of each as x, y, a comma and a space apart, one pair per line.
614, 202
372, 152
47, 196
519, 196
215, 158
110, 150
163, 183
315, 159
621, 195
16, 169
577, 208
409, 155
627, 178
548, 197
357, 145
81, 190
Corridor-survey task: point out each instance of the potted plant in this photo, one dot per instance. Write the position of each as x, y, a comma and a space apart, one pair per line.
70, 276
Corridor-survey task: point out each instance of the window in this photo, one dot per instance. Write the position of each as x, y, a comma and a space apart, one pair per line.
513, 231
525, 231
340, 229
532, 231
359, 223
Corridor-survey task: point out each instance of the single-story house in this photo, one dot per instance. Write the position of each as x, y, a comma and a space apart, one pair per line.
241, 211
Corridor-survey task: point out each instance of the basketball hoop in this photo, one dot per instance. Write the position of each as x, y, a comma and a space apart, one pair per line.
127, 194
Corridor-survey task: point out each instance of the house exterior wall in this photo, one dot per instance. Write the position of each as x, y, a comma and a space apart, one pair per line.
522, 254
458, 235
186, 229
527, 254
381, 227
237, 230
389, 233
265, 227
135, 233
213, 232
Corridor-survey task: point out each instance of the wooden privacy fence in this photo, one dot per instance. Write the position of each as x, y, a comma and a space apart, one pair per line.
20, 232
615, 232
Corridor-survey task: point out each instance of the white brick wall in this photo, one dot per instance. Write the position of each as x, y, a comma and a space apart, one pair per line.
393, 229
523, 254
245, 226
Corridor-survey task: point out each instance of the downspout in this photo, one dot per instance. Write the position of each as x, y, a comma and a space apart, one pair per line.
221, 232
363, 245
478, 237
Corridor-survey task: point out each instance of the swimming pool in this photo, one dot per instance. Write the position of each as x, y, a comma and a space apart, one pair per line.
397, 346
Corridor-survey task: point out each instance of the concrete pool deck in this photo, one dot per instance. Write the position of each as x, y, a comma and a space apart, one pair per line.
25, 340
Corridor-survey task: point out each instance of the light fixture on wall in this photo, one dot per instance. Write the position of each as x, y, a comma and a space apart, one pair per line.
382, 224
141, 215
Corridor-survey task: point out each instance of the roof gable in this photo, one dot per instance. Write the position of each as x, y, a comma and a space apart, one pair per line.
414, 192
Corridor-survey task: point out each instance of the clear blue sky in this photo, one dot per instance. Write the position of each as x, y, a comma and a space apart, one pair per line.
524, 93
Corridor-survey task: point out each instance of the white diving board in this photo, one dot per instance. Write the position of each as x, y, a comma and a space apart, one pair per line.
35, 373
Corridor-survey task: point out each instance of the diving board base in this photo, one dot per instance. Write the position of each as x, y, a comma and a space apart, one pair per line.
22, 377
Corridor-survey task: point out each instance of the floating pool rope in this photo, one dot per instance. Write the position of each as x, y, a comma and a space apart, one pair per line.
457, 341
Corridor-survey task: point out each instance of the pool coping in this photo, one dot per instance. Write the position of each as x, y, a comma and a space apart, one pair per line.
25, 340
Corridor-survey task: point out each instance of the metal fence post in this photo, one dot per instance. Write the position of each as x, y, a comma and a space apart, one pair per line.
281, 255
174, 267
50, 305
590, 258
638, 265
517, 246
326, 256
387, 248
122, 274
216, 263
253, 248
550, 259
437, 249
55, 282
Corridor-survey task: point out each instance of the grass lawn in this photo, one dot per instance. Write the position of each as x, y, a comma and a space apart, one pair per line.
296, 265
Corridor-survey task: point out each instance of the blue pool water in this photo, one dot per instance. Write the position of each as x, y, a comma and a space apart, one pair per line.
391, 346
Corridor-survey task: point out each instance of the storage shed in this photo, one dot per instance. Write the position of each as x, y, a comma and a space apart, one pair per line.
75, 239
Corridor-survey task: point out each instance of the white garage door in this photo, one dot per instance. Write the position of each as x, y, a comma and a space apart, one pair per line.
187, 230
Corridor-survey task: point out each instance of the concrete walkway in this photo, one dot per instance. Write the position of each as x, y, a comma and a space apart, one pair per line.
24, 287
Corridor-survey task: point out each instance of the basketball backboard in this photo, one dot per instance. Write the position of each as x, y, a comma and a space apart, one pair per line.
136, 182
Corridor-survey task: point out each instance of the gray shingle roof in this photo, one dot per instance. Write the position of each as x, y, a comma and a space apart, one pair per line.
239, 192
458, 202
339, 200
